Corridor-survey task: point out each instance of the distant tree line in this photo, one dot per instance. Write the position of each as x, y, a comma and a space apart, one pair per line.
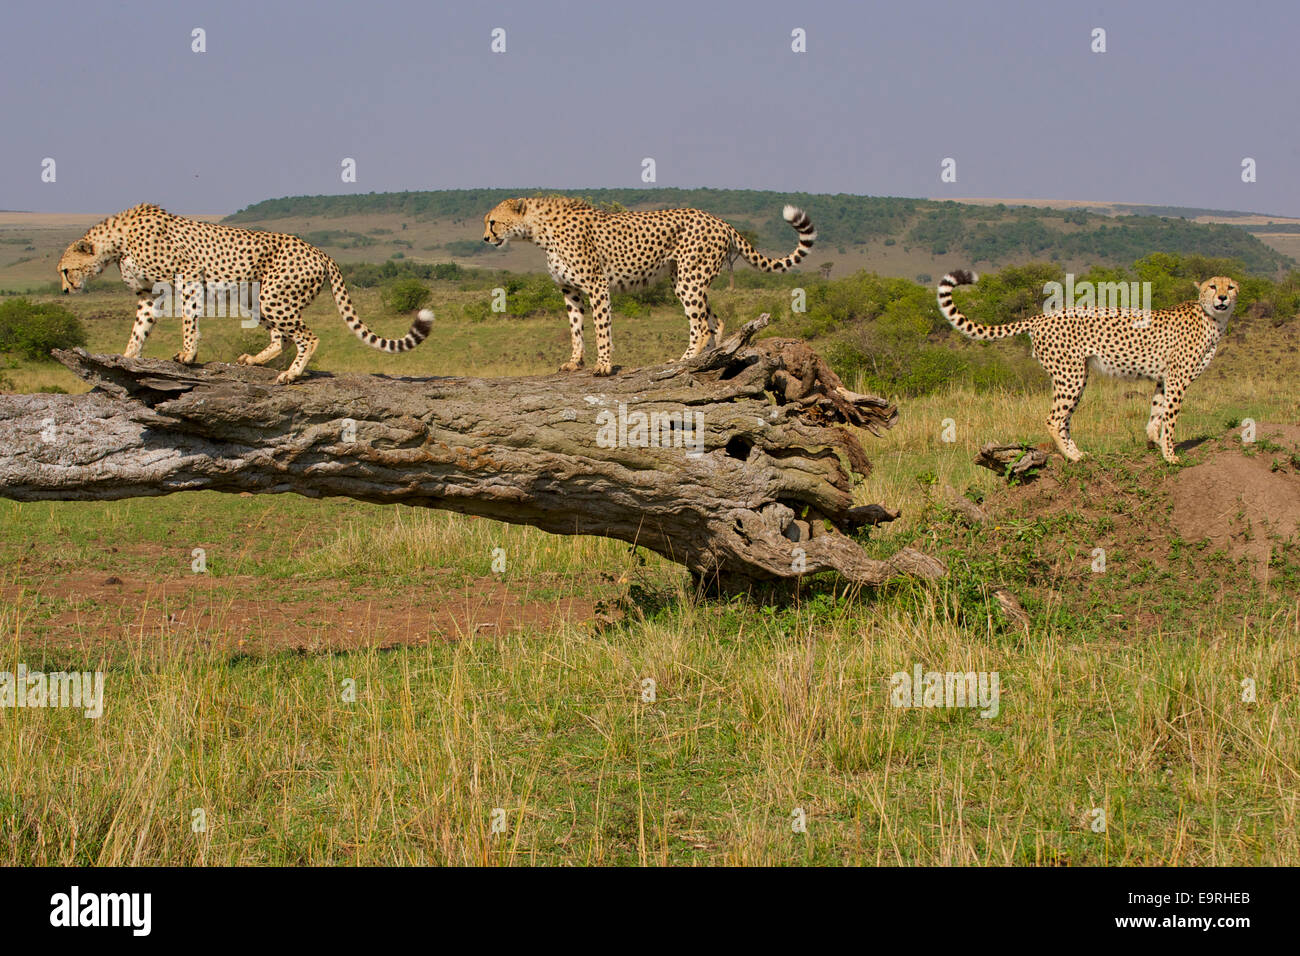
976, 235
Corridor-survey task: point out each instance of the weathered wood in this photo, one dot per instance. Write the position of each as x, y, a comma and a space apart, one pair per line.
970, 513
1013, 461
748, 474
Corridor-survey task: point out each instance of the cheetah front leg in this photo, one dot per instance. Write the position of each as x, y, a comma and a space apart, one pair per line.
1173, 404
191, 310
268, 353
145, 317
573, 302
1155, 423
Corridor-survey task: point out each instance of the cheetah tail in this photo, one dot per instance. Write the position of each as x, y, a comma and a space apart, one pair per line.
419, 329
807, 235
964, 325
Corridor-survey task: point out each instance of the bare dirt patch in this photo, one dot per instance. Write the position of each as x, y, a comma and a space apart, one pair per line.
1134, 546
107, 614
1243, 503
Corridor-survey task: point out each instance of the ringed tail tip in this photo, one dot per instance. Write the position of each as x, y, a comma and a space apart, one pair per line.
799, 219
960, 277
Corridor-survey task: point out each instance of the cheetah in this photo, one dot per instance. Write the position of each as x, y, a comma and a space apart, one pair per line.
150, 246
595, 252
1170, 346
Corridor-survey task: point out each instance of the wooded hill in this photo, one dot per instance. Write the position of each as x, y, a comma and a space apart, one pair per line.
979, 235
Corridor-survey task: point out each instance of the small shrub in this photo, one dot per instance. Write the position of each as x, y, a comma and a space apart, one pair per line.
406, 295
33, 330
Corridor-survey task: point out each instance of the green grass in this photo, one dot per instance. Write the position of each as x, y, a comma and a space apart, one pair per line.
756, 714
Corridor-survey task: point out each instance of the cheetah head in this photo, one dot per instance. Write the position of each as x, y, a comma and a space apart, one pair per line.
1218, 296
79, 264
506, 220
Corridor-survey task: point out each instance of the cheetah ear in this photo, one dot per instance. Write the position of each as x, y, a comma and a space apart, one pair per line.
520, 206
83, 245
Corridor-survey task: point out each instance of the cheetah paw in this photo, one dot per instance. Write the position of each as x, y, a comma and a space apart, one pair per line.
183, 358
603, 368
571, 365
284, 378
244, 359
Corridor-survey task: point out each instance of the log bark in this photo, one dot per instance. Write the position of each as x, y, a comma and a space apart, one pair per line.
750, 478
1014, 462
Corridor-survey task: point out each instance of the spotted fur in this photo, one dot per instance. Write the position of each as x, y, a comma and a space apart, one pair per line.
151, 245
592, 252
1170, 346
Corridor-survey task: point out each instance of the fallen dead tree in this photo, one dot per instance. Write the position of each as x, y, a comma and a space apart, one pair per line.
737, 464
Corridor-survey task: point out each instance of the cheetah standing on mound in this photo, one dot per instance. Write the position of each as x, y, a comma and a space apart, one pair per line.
592, 251
151, 245
1172, 346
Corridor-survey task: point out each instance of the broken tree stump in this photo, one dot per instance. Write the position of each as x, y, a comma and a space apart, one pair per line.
737, 464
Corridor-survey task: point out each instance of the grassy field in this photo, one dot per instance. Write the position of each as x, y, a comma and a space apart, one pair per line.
353, 684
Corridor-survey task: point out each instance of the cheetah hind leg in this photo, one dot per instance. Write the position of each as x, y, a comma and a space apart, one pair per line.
701, 338
1064, 443
1065, 400
698, 314
190, 330
716, 330
268, 353
306, 343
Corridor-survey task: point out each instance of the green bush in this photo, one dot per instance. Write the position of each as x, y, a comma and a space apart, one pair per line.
406, 295
32, 330
533, 293
369, 274
339, 239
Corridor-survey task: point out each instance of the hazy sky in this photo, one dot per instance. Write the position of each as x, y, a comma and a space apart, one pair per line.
710, 90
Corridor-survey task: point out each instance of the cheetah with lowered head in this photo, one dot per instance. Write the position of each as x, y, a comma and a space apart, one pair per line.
150, 245
1171, 346
594, 252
